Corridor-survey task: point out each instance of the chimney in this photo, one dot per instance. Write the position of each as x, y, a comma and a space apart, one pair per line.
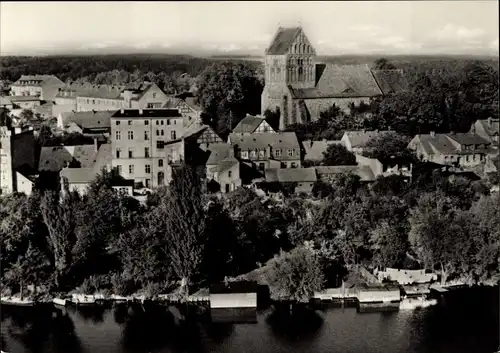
96, 146
311, 143
489, 121
140, 111
433, 133
122, 111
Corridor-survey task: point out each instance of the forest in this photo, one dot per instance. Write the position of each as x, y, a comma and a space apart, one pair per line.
107, 242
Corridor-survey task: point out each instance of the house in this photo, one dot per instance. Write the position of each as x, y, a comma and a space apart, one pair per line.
373, 294
78, 178
55, 158
233, 301
460, 149
252, 124
92, 122
25, 102
356, 141
301, 88
17, 149
187, 104
487, 129
405, 276
201, 134
228, 174
314, 150
303, 178
268, 149
45, 87
146, 95
144, 142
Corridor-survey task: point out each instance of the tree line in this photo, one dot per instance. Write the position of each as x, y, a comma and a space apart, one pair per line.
185, 237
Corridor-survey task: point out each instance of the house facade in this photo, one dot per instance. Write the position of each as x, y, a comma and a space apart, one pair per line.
302, 89
487, 129
252, 124
45, 87
464, 150
17, 149
144, 142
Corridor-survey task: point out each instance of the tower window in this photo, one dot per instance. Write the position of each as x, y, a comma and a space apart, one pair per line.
301, 74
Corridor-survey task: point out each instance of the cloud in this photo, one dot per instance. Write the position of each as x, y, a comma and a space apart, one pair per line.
452, 32
369, 30
494, 45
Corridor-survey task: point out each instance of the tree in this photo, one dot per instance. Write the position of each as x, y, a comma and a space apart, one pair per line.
273, 118
390, 147
26, 116
5, 119
184, 214
295, 276
337, 154
389, 245
45, 135
383, 64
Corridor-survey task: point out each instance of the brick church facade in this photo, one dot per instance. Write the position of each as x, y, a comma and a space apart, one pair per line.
302, 88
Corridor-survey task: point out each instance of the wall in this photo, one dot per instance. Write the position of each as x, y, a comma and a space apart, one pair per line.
81, 188
233, 300
382, 295
24, 185
304, 186
153, 95
230, 177
374, 164
86, 104
22, 90
27, 105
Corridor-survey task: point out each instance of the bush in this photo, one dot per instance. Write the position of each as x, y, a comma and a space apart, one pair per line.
122, 285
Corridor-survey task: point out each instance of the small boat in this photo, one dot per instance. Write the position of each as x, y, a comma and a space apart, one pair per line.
60, 302
82, 299
17, 301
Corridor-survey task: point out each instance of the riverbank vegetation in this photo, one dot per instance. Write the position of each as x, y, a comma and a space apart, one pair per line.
185, 238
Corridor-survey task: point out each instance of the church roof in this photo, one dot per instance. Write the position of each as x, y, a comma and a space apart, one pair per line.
283, 40
390, 81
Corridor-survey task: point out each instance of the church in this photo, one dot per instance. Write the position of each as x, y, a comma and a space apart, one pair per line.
301, 88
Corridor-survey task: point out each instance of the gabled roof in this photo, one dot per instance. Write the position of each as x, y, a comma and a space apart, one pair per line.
391, 81
89, 120
467, 139
280, 140
284, 175
55, 158
282, 40
103, 158
360, 138
40, 80
489, 126
314, 149
225, 164
218, 152
248, 124
87, 90
443, 143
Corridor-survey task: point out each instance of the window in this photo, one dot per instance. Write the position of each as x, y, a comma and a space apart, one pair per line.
162, 132
93, 101
293, 165
130, 153
277, 153
118, 122
118, 135
160, 145
130, 122
154, 95
160, 162
262, 153
244, 154
168, 122
253, 154
130, 135
290, 153
146, 122
157, 122
131, 169
146, 135
157, 132
147, 169
119, 169
146, 152
148, 183
161, 122
229, 174
172, 135
118, 151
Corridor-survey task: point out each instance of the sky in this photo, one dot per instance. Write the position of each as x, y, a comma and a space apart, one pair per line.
333, 27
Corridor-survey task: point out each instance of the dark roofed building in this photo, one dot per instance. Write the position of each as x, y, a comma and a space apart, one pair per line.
55, 158
303, 177
302, 89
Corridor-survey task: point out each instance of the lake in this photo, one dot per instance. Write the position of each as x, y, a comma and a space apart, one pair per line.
464, 321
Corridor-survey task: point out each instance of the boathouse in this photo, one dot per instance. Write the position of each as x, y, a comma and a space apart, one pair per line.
233, 301
377, 294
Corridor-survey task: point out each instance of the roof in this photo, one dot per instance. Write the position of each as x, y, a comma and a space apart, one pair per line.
314, 149
42, 79
284, 175
282, 40
234, 287
363, 171
280, 140
89, 120
225, 164
186, 97
24, 98
55, 158
103, 157
91, 91
147, 113
218, 152
248, 124
391, 81
361, 138
79, 175
442, 143
489, 126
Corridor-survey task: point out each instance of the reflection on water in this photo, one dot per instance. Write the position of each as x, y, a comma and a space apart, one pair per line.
467, 322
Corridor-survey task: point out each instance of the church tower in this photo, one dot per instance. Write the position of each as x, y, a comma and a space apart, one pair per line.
290, 61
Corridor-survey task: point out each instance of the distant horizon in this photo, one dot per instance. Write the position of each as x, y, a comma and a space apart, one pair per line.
246, 28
